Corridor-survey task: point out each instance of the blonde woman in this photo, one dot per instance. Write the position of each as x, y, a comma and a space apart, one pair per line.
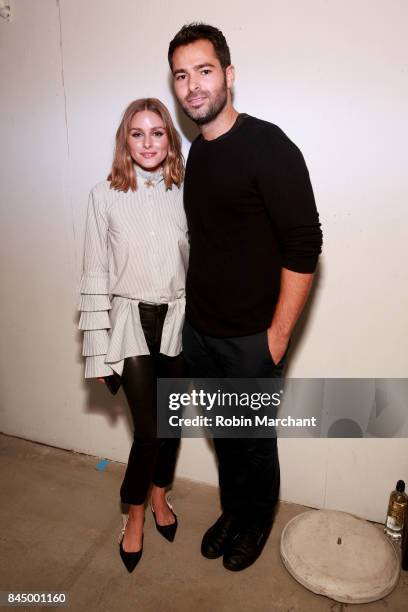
133, 298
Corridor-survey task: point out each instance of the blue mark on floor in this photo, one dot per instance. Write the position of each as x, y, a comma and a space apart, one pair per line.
101, 465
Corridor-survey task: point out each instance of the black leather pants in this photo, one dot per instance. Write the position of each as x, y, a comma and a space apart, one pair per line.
151, 459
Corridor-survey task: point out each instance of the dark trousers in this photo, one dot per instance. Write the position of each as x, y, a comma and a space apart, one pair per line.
151, 459
249, 475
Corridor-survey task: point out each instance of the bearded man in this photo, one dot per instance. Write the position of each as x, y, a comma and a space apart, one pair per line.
255, 239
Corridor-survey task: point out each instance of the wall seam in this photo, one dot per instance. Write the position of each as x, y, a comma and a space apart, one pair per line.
70, 233
66, 195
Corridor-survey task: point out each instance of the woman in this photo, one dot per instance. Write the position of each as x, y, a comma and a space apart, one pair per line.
133, 285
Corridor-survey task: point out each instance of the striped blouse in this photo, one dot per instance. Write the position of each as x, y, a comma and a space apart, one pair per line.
136, 249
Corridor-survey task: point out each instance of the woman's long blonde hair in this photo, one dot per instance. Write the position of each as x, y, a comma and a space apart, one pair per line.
122, 177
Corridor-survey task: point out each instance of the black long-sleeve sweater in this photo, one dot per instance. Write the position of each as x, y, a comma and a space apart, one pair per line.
251, 211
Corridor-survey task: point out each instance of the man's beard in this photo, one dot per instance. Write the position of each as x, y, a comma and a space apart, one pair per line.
213, 110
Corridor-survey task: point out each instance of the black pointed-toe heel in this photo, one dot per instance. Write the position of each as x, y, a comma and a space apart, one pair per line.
167, 531
130, 559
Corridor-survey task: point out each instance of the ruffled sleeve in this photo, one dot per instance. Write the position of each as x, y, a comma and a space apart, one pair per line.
94, 302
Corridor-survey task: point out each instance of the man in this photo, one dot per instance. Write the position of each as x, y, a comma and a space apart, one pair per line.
255, 239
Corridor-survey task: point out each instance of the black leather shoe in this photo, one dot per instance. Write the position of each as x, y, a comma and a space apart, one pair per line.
217, 537
167, 531
246, 546
130, 559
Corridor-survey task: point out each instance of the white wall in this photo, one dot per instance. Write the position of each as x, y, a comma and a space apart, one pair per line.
333, 76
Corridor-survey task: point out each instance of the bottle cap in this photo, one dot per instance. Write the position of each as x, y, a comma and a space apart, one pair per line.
400, 486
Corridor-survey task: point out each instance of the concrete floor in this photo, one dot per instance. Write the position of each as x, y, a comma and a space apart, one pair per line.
60, 521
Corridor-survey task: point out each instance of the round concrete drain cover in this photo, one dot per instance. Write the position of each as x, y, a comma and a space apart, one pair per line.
339, 555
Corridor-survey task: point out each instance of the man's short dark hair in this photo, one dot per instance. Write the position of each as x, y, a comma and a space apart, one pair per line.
201, 31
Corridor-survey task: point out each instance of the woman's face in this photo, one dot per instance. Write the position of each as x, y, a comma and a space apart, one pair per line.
147, 140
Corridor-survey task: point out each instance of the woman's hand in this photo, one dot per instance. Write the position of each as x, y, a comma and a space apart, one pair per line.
102, 380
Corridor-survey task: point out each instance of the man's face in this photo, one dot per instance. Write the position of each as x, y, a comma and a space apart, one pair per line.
200, 83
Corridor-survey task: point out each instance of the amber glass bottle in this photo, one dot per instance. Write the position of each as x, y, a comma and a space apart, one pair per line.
394, 523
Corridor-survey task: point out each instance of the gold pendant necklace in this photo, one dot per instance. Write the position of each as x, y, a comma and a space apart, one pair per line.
149, 183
